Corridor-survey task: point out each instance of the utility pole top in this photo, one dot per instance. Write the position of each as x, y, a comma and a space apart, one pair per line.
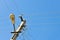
20, 27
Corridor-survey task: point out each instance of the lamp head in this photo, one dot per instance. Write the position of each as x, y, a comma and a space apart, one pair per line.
12, 17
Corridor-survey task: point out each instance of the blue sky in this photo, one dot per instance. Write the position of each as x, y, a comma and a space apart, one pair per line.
42, 16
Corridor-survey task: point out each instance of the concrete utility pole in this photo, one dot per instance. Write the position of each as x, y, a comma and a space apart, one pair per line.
19, 29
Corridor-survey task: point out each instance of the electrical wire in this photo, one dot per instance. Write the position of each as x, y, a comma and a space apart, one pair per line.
6, 4
25, 32
16, 6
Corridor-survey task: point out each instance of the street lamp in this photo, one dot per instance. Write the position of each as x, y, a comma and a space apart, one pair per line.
12, 17
20, 27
